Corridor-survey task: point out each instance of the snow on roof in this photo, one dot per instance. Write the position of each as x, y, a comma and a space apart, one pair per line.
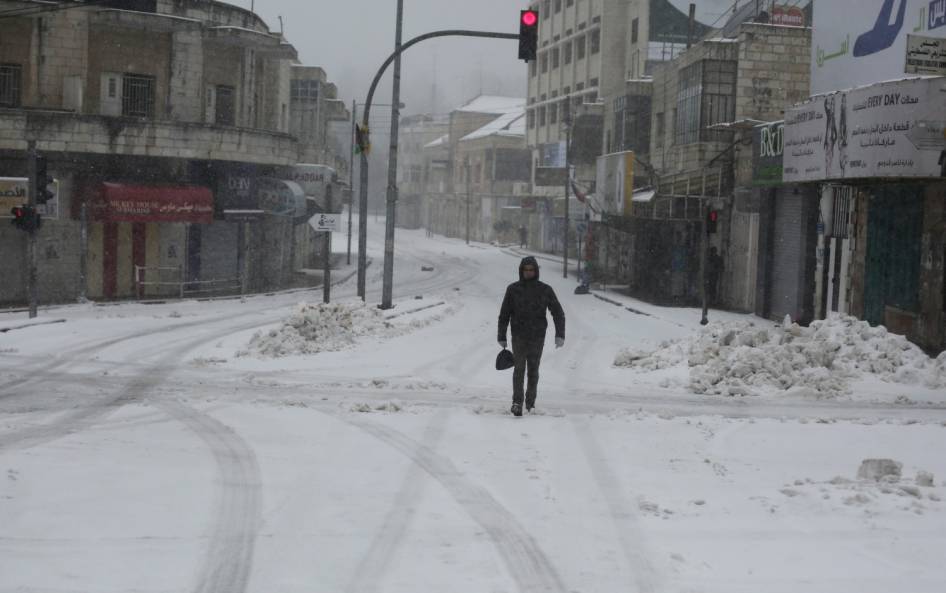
643, 196
438, 142
493, 104
512, 124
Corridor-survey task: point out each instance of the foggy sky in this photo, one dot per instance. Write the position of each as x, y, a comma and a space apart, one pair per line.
351, 38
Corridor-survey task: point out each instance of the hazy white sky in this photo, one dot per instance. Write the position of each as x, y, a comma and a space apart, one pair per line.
351, 38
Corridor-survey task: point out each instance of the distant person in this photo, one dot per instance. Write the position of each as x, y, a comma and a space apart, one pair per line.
714, 270
523, 236
525, 306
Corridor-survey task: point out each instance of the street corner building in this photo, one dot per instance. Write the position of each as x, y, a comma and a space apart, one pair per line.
188, 145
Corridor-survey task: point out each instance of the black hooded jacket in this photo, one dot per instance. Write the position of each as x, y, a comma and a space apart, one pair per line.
525, 305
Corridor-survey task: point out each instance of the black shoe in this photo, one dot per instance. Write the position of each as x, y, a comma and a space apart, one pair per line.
530, 405
516, 409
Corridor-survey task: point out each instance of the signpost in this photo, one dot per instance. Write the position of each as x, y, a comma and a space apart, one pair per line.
325, 223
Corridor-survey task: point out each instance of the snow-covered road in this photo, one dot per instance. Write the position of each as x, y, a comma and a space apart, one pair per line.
147, 448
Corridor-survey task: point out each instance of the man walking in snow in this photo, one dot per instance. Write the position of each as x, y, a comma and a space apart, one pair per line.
525, 306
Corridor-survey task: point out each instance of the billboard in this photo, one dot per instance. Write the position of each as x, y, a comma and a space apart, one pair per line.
767, 148
614, 182
860, 42
14, 192
670, 19
892, 129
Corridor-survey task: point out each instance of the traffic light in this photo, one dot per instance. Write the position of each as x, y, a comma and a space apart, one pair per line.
711, 217
26, 218
362, 141
42, 181
528, 34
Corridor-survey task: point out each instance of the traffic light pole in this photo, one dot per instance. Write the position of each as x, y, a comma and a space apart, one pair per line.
568, 177
351, 177
387, 291
392, 185
31, 235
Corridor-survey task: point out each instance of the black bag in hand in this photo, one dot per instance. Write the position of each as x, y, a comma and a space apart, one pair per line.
504, 360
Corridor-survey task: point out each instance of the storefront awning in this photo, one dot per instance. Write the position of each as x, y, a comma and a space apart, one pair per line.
118, 202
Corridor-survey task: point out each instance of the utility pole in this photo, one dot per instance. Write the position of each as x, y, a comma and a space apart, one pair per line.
327, 273
84, 252
704, 245
568, 141
351, 176
31, 235
691, 28
468, 198
387, 289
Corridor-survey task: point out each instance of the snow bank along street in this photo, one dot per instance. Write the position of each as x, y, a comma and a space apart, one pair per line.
278, 444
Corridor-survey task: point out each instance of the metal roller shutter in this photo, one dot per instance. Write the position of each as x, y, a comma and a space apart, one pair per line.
788, 256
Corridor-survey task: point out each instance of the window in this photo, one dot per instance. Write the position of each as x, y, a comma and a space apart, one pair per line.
544, 58
591, 97
112, 88
225, 112
661, 125
137, 95
532, 69
542, 98
570, 3
634, 27
567, 90
11, 83
567, 50
595, 41
546, 5
580, 48
566, 112
554, 58
580, 86
530, 119
554, 94
558, 6
541, 116
304, 90
687, 122
706, 96
553, 113
593, 82
719, 93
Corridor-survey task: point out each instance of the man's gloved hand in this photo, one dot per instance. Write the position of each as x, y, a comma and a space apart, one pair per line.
503, 344
559, 342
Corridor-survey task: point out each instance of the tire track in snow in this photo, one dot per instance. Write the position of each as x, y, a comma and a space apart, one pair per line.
238, 516
239, 508
525, 561
625, 518
133, 390
376, 562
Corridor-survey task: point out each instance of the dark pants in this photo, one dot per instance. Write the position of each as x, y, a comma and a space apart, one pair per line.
528, 354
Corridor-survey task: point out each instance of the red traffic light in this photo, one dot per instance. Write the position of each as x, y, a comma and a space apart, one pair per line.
713, 215
18, 212
529, 17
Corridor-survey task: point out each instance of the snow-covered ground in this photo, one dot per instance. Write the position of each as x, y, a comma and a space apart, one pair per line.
277, 445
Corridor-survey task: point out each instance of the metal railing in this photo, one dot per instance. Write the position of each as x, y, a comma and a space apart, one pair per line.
183, 287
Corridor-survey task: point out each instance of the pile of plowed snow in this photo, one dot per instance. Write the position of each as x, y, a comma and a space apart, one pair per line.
743, 358
314, 328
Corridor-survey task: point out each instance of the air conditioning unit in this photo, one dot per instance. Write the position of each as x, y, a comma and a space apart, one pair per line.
521, 188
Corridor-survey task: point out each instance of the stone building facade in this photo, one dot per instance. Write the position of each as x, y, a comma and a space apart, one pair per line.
177, 106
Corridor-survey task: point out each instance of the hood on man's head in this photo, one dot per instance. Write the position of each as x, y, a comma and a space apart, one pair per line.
529, 261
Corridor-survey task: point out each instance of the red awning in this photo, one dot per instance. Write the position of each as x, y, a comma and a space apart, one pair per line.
117, 202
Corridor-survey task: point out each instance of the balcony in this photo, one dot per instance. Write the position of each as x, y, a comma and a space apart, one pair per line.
66, 132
